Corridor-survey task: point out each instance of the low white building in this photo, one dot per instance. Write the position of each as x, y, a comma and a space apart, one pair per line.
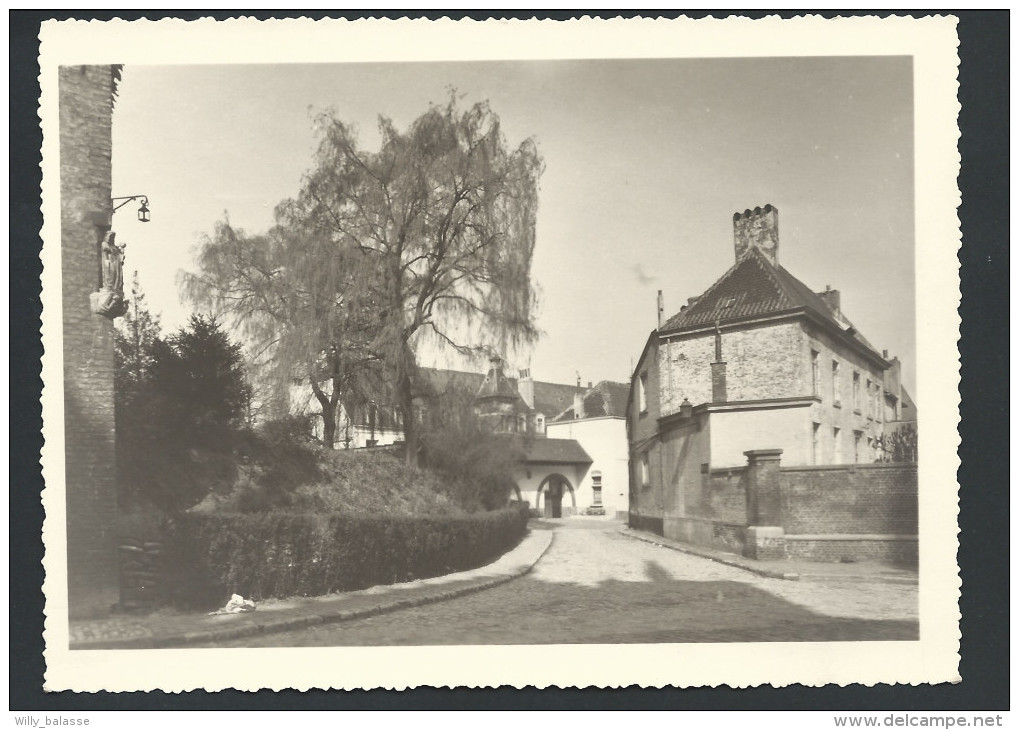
597, 421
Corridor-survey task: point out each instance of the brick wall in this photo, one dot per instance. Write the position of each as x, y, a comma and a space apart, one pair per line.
715, 511
723, 496
860, 499
901, 552
685, 371
764, 362
829, 513
85, 109
760, 362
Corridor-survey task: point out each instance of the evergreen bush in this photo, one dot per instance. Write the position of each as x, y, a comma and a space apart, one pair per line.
280, 554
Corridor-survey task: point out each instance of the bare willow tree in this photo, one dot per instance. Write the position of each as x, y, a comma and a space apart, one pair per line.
303, 302
445, 215
430, 237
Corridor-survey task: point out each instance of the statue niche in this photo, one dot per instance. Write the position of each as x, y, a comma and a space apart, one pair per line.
109, 300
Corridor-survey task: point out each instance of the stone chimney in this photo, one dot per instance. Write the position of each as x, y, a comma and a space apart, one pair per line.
757, 228
832, 298
525, 386
578, 403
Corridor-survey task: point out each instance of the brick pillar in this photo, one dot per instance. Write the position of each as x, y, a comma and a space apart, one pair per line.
765, 536
718, 390
86, 96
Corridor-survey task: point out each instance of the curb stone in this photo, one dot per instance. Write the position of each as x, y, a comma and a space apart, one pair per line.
766, 572
541, 541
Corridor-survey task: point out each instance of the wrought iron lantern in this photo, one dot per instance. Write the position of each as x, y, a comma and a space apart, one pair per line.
143, 211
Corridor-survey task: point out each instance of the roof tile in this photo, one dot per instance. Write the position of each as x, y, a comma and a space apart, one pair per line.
753, 286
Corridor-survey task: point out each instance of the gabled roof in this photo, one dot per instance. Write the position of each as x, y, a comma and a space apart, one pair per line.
552, 398
433, 382
555, 451
549, 398
755, 287
604, 399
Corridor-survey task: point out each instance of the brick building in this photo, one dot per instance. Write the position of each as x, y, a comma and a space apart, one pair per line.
86, 95
755, 378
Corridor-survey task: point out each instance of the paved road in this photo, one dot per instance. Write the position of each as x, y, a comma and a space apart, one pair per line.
595, 585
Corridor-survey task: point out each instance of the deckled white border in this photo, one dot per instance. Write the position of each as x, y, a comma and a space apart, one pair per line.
933, 44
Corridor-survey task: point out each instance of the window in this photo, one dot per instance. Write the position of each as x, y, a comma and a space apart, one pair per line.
815, 444
596, 488
539, 423
836, 389
815, 372
856, 392
645, 469
870, 399
642, 392
857, 444
837, 440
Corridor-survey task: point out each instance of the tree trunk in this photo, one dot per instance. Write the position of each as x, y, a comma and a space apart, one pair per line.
405, 395
328, 413
329, 427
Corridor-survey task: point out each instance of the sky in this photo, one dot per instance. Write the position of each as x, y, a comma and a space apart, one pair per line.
646, 162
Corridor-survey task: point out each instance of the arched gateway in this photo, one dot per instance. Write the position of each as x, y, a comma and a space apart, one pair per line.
549, 500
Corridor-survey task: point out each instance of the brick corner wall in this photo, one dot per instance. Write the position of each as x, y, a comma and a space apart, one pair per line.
85, 111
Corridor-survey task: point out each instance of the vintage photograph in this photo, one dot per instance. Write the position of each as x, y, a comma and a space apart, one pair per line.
578, 356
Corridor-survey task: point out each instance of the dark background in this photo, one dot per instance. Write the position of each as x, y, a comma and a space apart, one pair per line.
983, 477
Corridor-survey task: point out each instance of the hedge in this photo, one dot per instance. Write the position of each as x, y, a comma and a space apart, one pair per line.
280, 554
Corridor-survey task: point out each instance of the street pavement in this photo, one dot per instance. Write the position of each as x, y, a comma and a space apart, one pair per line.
596, 585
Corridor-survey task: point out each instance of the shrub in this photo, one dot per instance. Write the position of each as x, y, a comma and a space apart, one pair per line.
375, 483
478, 465
279, 554
276, 458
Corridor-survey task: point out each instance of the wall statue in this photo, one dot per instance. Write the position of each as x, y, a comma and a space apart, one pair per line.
109, 300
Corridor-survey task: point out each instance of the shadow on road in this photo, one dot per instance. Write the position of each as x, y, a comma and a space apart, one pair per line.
657, 609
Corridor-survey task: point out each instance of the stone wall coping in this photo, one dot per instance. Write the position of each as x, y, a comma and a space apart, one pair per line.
852, 467
850, 537
763, 454
728, 470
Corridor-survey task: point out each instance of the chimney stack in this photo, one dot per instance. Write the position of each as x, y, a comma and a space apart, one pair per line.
578, 404
832, 298
661, 308
525, 386
757, 228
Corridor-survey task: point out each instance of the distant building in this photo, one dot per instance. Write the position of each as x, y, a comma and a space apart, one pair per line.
761, 363
597, 420
572, 440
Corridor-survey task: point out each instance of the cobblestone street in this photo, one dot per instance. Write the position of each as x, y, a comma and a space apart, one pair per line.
595, 585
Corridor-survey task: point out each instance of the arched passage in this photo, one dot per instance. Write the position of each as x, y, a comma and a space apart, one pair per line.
551, 491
